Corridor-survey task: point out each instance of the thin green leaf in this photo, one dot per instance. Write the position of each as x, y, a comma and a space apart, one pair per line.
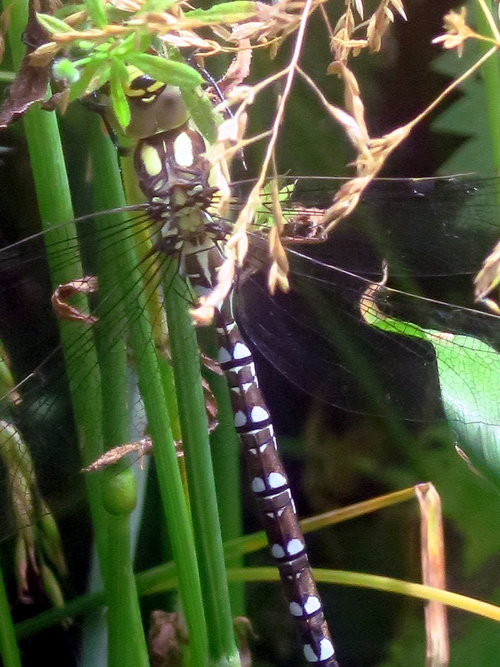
92, 77
69, 10
95, 9
157, 5
168, 71
198, 104
8, 645
133, 43
226, 12
201, 111
118, 98
52, 25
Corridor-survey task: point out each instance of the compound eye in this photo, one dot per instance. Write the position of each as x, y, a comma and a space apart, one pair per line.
141, 82
141, 87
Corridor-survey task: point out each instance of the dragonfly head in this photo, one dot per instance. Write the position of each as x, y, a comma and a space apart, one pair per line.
154, 106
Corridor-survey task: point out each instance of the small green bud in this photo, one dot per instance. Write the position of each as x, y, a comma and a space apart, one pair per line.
120, 493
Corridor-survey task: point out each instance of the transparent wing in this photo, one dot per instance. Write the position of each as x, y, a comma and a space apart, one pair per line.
40, 446
318, 340
434, 235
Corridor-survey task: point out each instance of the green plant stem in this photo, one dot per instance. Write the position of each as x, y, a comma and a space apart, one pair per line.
162, 578
491, 75
225, 450
8, 644
54, 203
203, 499
126, 639
169, 479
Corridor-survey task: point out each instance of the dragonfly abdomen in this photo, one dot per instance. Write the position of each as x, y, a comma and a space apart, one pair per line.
268, 479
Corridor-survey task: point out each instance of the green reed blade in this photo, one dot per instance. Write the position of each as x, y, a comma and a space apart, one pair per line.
126, 638
148, 370
203, 499
54, 203
8, 645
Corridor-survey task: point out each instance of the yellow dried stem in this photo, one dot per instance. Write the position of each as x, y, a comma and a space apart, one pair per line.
204, 313
433, 572
372, 153
343, 43
489, 276
278, 273
237, 244
354, 103
378, 26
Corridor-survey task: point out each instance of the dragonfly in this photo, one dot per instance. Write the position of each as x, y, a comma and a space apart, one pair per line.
173, 173
345, 268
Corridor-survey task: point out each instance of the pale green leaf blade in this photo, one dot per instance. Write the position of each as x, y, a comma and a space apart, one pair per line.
225, 12
469, 376
53, 25
168, 71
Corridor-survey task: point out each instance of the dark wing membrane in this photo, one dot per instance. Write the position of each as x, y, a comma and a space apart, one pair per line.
423, 227
318, 340
434, 235
40, 411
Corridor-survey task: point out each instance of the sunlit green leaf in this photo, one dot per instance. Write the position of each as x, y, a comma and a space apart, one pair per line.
95, 9
227, 12
53, 25
118, 98
469, 375
168, 71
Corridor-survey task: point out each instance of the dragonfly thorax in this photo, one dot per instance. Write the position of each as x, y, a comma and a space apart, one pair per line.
169, 159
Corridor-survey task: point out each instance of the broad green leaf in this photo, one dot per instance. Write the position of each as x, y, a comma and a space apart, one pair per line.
469, 377
168, 71
227, 12
53, 25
